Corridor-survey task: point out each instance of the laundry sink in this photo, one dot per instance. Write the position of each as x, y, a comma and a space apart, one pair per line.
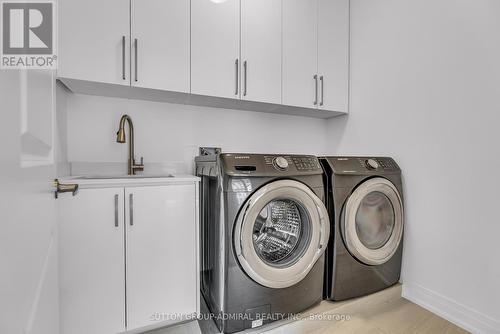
113, 177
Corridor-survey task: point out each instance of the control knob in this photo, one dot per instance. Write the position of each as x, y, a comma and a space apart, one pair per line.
372, 164
280, 163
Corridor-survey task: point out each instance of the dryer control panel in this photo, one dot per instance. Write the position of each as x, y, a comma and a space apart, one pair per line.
363, 165
377, 163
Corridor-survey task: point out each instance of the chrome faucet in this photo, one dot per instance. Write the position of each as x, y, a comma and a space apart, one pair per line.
120, 138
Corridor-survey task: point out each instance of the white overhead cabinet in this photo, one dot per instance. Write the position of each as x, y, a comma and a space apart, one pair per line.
160, 44
128, 255
283, 56
300, 53
94, 40
142, 43
333, 55
232, 64
316, 54
215, 48
261, 50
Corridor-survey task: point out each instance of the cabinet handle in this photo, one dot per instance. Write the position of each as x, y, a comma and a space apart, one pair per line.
236, 63
116, 210
322, 81
245, 78
131, 207
123, 57
135, 54
315, 77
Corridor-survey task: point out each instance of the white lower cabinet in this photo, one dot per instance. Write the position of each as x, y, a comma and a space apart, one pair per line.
128, 258
91, 262
161, 253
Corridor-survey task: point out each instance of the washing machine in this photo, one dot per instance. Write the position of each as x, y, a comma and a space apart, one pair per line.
365, 204
264, 231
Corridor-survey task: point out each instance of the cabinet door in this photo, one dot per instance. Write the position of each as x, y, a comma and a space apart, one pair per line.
300, 52
215, 48
161, 252
333, 54
160, 44
261, 50
91, 262
94, 40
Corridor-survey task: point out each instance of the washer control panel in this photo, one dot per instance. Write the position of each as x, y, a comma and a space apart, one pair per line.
270, 165
280, 163
372, 164
298, 163
306, 163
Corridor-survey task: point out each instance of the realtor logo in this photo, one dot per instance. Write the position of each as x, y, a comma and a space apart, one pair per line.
28, 34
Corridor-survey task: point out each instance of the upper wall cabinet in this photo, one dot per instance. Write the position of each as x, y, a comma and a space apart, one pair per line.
215, 48
300, 53
229, 63
94, 40
279, 56
160, 44
316, 54
261, 50
333, 54
144, 43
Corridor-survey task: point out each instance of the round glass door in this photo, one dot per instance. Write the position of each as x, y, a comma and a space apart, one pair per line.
280, 232
373, 221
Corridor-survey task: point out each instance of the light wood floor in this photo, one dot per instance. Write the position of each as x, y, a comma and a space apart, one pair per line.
385, 312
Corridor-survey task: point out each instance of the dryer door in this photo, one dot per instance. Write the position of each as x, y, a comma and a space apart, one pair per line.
372, 225
280, 232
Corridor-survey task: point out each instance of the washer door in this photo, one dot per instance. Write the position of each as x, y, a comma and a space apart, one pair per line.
280, 232
373, 221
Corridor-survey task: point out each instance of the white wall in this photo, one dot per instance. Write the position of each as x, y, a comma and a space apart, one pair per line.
171, 134
425, 89
28, 237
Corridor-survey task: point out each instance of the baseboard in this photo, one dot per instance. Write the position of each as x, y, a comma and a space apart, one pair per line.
461, 315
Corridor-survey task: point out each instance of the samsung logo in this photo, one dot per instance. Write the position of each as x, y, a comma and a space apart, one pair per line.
242, 157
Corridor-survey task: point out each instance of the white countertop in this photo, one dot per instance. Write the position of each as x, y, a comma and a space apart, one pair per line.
127, 181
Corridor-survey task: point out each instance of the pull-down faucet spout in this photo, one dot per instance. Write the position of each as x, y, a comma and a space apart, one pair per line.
121, 138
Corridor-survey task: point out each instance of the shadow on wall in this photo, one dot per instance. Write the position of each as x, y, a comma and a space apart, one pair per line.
336, 128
